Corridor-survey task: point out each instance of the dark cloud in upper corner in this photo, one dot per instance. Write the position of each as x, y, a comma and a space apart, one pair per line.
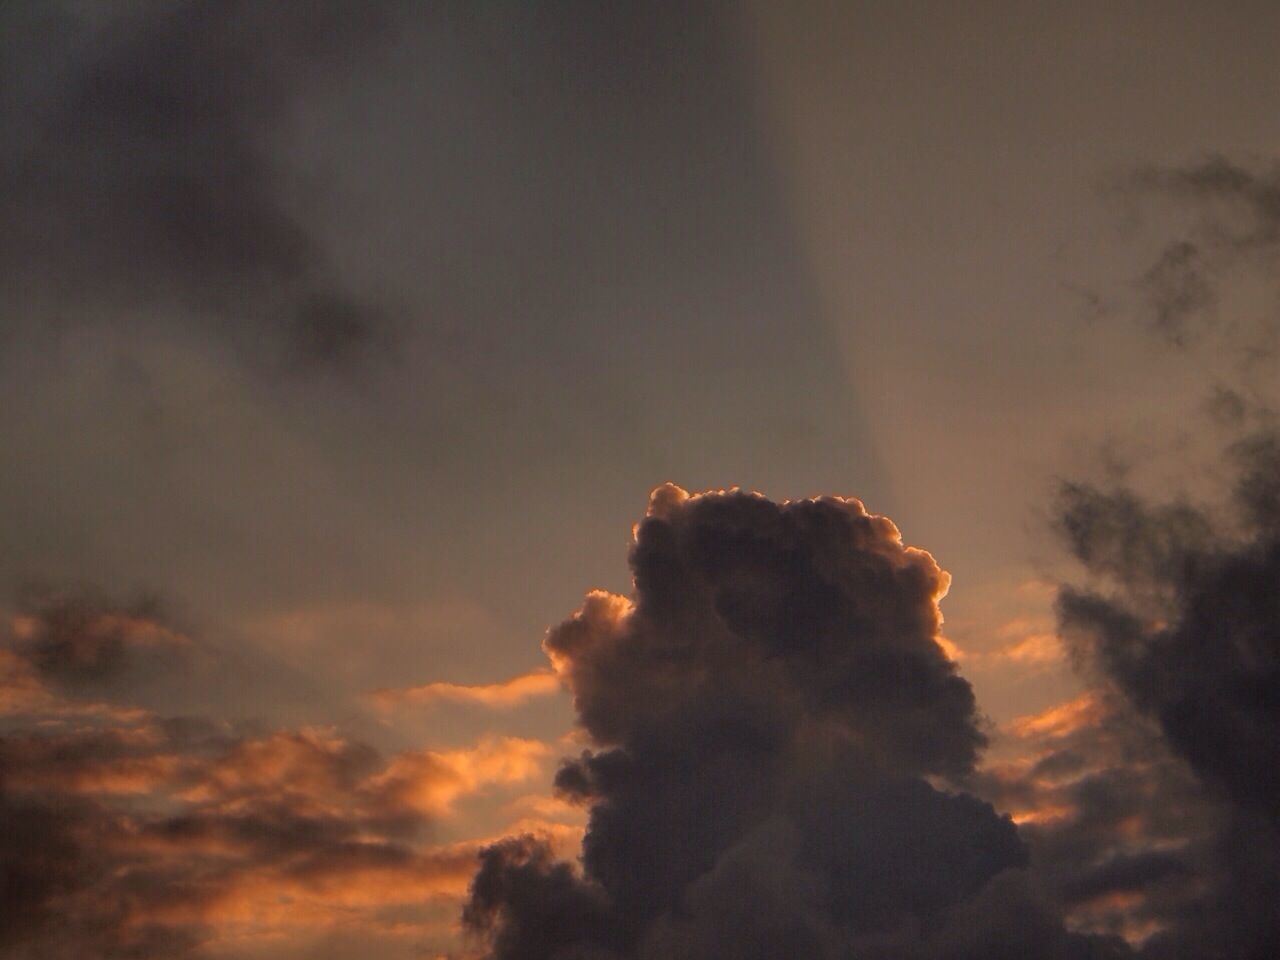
141, 177
779, 747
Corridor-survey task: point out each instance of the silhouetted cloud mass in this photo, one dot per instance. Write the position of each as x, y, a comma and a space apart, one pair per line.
1191, 638
613, 242
1153, 804
778, 746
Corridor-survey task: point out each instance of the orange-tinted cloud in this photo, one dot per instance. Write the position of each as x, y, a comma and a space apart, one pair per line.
137, 834
1033, 649
499, 696
429, 782
1024, 642
1061, 719
79, 638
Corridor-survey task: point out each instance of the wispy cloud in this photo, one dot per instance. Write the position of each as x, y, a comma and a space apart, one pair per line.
497, 696
160, 836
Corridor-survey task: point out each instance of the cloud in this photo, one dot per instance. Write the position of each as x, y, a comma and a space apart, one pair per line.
1232, 219
498, 696
144, 178
1122, 835
1188, 639
1034, 649
777, 750
129, 833
1151, 803
1060, 719
80, 639
1026, 642
164, 845
430, 782
1178, 289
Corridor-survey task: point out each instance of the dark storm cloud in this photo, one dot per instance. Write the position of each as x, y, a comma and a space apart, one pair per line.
1191, 640
1151, 807
1119, 829
1127, 839
1154, 809
772, 723
141, 176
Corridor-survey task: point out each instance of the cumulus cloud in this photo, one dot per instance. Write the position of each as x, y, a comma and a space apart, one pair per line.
778, 747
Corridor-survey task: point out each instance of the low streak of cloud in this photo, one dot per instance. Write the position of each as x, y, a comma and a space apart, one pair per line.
498, 696
135, 834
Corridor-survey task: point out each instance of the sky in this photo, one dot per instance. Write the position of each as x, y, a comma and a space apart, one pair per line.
513, 481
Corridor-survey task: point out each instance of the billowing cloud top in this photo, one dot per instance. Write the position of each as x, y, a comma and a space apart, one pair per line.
772, 719
809, 620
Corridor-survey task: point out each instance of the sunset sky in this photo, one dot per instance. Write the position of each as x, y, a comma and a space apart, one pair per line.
375, 383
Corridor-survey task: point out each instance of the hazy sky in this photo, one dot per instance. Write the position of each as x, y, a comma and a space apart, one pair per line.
342, 345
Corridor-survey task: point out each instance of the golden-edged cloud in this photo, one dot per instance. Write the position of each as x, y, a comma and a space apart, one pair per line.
496, 696
428, 782
140, 834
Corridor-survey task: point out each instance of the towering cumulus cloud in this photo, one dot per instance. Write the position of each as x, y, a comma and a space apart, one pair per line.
777, 740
